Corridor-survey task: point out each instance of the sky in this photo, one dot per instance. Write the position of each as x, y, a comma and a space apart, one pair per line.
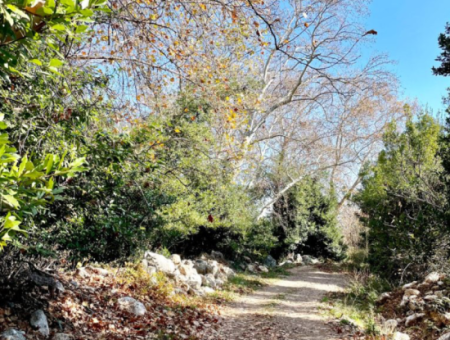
408, 32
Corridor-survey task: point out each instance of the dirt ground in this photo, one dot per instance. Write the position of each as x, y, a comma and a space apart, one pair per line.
286, 309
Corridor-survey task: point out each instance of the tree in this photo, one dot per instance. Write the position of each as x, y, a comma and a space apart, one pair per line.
403, 202
444, 58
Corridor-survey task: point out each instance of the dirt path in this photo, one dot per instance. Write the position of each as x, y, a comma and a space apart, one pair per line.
287, 309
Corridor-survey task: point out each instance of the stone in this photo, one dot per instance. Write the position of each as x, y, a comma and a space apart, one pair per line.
12, 334
209, 280
212, 267
439, 293
194, 281
298, 258
186, 269
98, 271
208, 290
201, 266
309, 260
389, 326
411, 292
270, 262
444, 337
430, 298
160, 262
383, 297
433, 277
412, 319
405, 301
409, 285
251, 268
263, 269
62, 336
247, 259
217, 255
39, 321
176, 259
219, 283
131, 306
82, 272
400, 336
228, 272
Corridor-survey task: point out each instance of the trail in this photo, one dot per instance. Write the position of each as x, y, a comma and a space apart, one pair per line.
286, 309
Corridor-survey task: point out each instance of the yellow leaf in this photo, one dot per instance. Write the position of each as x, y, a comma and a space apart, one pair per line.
203, 6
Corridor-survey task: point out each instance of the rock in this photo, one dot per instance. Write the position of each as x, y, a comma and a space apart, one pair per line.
208, 290
270, 262
12, 334
383, 297
212, 267
217, 255
430, 298
131, 306
400, 336
439, 293
409, 285
209, 280
415, 303
298, 258
186, 269
444, 337
229, 273
263, 269
433, 277
412, 319
248, 259
251, 268
62, 336
389, 326
39, 321
219, 283
98, 271
82, 272
405, 301
309, 260
411, 292
194, 281
176, 259
160, 262
201, 266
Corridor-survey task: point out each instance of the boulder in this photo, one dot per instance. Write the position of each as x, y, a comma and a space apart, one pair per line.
160, 262
186, 270
148, 268
433, 277
12, 334
412, 319
227, 271
131, 306
400, 336
219, 282
270, 262
39, 321
176, 259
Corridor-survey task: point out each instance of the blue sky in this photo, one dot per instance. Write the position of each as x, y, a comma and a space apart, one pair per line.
408, 32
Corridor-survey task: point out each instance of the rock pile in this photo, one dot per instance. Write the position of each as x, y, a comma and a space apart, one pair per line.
197, 277
426, 301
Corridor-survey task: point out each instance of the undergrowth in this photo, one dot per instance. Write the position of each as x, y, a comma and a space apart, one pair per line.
357, 305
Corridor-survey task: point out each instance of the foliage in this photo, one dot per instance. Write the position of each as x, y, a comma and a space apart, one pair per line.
444, 58
305, 220
403, 202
